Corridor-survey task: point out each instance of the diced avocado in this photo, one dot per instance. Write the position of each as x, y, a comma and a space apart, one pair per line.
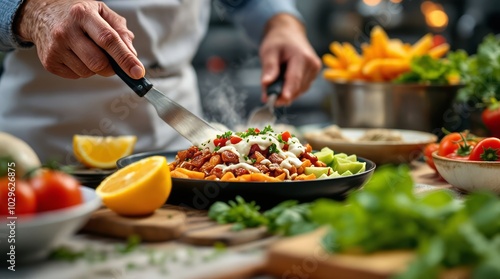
334, 174
341, 155
352, 158
318, 171
339, 160
353, 167
323, 176
347, 173
325, 155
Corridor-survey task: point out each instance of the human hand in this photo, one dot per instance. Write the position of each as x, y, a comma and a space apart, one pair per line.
285, 41
70, 37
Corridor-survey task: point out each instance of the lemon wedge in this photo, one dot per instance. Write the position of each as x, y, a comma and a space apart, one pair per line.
102, 152
137, 189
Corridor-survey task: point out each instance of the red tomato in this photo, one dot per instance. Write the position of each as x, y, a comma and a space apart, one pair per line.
55, 190
16, 193
457, 156
491, 118
220, 142
285, 136
428, 150
460, 143
486, 150
235, 139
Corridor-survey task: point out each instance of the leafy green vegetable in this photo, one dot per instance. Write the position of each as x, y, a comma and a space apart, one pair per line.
240, 213
481, 72
287, 218
427, 70
387, 215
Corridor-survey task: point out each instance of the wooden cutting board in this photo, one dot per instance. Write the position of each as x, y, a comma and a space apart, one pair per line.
162, 225
303, 257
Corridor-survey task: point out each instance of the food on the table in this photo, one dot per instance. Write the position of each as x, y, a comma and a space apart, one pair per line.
137, 189
102, 152
487, 149
333, 132
491, 117
18, 151
382, 59
256, 155
26, 187
55, 189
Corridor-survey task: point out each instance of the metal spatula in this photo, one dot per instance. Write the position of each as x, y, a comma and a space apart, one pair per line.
263, 116
187, 124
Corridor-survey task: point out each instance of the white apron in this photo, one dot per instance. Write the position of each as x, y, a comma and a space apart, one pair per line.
46, 110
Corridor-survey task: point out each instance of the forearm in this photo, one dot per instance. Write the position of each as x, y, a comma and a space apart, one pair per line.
8, 38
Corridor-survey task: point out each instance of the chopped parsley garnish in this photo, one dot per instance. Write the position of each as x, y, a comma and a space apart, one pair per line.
267, 129
273, 148
226, 135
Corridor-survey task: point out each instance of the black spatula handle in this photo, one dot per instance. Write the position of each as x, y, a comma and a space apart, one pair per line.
140, 86
276, 87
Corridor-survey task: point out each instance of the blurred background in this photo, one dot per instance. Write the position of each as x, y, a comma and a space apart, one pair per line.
228, 66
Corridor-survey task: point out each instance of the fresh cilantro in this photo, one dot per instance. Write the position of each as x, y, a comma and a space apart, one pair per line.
267, 129
240, 213
226, 135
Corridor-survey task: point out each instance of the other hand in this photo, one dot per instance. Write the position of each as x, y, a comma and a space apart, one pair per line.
285, 41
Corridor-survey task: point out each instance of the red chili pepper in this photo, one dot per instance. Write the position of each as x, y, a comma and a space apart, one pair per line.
486, 150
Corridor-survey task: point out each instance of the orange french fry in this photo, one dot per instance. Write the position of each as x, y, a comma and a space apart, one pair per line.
392, 67
338, 50
192, 174
281, 177
335, 74
422, 46
395, 49
439, 51
227, 176
331, 61
177, 174
380, 41
351, 53
257, 176
305, 177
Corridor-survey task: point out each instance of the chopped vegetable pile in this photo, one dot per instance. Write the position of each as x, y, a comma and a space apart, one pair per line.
387, 215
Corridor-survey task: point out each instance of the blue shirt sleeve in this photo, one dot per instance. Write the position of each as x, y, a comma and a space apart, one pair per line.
252, 15
8, 40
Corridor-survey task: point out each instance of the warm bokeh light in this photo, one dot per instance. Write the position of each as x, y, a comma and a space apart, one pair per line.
372, 2
434, 14
437, 19
396, 1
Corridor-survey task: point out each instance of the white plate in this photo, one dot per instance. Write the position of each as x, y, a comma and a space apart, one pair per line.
380, 152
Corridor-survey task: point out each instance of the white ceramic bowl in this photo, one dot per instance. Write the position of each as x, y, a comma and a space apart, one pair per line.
380, 152
37, 236
469, 176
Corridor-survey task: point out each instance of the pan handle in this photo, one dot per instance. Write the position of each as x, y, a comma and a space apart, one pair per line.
140, 86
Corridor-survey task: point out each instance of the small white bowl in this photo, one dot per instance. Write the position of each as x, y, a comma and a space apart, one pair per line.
36, 236
469, 176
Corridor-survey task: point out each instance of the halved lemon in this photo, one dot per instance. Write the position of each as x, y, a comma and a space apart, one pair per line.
137, 189
102, 152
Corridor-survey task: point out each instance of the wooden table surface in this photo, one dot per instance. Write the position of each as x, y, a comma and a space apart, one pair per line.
178, 258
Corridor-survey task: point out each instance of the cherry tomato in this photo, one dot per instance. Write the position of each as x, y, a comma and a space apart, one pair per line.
428, 150
487, 149
55, 190
491, 118
18, 194
285, 136
235, 139
460, 143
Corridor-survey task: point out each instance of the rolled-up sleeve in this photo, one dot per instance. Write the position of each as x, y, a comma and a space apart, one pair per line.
253, 15
8, 40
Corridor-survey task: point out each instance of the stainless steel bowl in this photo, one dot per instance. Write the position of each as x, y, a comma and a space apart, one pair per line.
393, 106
